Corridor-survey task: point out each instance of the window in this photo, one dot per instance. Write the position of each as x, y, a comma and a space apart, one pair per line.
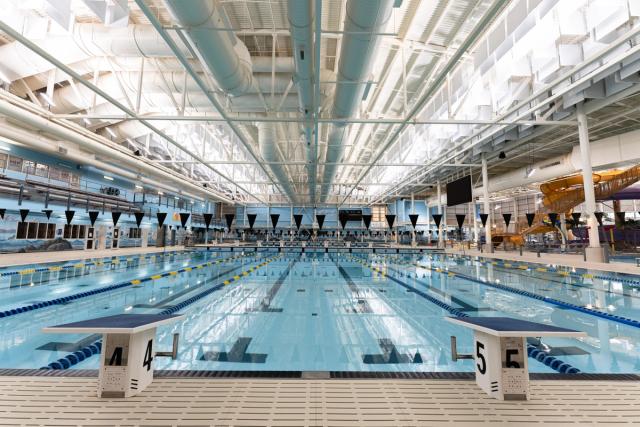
135, 233
35, 230
74, 231
29, 167
75, 180
4, 158
42, 170
15, 164
378, 213
54, 173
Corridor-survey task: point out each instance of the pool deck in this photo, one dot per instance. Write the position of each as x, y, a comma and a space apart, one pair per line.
569, 260
57, 401
60, 256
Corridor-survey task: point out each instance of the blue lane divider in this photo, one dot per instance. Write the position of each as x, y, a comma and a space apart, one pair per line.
64, 300
550, 361
103, 261
591, 311
92, 349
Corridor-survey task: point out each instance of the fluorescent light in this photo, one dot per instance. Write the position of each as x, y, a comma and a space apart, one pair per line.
497, 207
160, 193
531, 172
176, 197
4, 78
2, 147
139, 187
48, 99
111, 132
86, 121
109, 178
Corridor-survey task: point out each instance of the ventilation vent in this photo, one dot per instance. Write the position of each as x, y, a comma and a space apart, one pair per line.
549, 165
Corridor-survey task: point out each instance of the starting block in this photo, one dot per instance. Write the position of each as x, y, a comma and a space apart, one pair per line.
126, 360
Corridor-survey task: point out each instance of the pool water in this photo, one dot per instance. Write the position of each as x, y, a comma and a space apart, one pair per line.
320, 312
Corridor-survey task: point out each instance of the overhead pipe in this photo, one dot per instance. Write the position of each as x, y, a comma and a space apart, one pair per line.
363, 23
301, 19
124, 159
267, 139
226, 57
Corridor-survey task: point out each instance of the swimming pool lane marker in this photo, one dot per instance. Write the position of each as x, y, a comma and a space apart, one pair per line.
135, 282
102, 261
94, 348
533, 352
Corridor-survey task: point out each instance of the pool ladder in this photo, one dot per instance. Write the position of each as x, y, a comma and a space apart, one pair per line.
454, 351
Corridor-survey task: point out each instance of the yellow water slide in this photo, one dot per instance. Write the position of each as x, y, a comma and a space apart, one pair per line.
561, 195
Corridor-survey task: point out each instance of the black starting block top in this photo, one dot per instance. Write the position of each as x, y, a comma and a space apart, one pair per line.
121, 323
509, 327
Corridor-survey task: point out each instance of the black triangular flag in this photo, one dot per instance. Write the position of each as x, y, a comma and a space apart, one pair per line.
620, 217
367, 220
2, 211
274, 220
48, 213
414, 219
390, 220
115, 216
507, 218
343, 220
298, 221
576, 217
553, 217
139, 216
69, 215
161, 217
599, 216
229, 219
252, 220
320, 219
24, 213
184, 217
437, 218
93, 215
207, 219
530, 218
460, 219
483, 218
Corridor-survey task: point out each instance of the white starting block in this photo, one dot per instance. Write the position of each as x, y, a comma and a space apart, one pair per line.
500, 352
126, 361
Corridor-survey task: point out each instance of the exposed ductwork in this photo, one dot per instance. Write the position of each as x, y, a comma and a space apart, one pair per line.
228, 60
267, 137
364, 21
132, 163
301, 19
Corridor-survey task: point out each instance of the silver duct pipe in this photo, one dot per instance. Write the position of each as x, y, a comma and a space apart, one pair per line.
221, 51
301, 17
85, 41
129, 161
364, 20
227, 59
267, 137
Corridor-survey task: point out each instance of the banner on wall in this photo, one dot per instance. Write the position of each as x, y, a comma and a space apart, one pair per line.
437, 218
298, 221
139, 216
252, 220
161, 216
93, 215
460, 219
184, 217
414, 220
2, 212
576, 217
390, 220
553, 217
483, 218
343, 220
115, 216
207, 219
367, 220
507, 218
69, 215
274, 220
229, 219
23, 214
599, 216
320, 219
530, 218
48, 213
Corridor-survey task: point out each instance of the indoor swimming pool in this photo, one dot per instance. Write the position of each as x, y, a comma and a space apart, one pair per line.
340, 311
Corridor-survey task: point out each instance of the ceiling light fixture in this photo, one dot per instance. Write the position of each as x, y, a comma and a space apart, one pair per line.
108, 178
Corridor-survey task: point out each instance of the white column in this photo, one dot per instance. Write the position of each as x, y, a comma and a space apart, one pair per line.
440, 236
594, 252
487, 207
474, 214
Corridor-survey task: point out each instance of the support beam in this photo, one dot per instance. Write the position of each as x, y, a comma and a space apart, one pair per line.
487, 204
